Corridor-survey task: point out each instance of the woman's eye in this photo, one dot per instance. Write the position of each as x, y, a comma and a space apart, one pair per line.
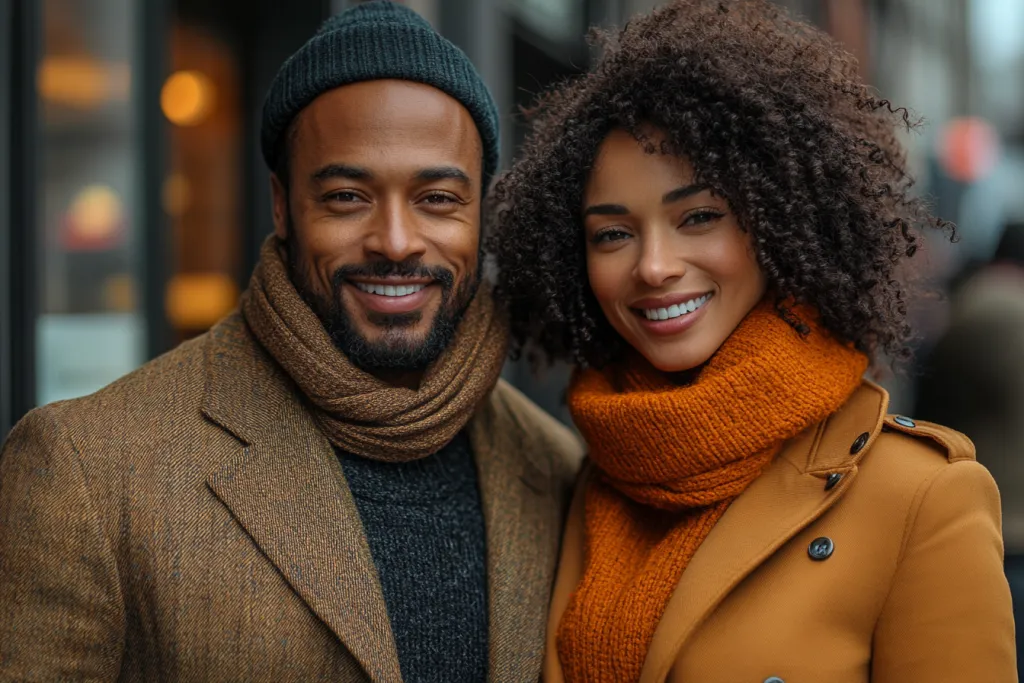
610, 235
702, 216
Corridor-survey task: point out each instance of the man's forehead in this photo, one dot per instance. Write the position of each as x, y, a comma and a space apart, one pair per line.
387, 105
404, 122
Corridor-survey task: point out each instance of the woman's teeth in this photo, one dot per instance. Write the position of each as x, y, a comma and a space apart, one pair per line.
389, 290
675, 310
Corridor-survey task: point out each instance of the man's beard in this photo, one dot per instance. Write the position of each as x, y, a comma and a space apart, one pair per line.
392, 352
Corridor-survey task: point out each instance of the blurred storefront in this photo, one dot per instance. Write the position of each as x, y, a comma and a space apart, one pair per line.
133, 198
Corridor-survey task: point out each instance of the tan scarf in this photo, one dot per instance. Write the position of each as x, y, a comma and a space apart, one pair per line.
669, 460
359, 413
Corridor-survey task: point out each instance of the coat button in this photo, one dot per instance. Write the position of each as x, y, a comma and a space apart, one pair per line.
821, 548
774, 679
859, 443
904, 422
832, 480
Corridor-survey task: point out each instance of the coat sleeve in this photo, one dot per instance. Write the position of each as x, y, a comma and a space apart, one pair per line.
948, 617
61, 612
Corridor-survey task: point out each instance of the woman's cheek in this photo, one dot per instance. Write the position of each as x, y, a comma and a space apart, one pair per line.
603, 280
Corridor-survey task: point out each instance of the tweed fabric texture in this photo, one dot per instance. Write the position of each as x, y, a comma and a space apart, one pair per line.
374, 41
358, 412
425, 527
190, 522
670, 460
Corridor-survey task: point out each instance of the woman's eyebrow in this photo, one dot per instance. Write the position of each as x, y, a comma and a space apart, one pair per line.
606, 210
682, 193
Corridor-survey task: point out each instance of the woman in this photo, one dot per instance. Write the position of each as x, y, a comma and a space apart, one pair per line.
709, 225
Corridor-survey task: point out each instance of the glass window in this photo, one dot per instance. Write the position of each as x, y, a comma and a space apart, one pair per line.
201, 101
90, 329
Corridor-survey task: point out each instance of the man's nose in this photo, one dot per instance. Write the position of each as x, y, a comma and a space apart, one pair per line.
395, 234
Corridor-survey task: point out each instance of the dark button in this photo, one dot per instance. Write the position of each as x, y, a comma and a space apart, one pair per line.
860, 443
832, 480
904, 421
774, 679
821, 548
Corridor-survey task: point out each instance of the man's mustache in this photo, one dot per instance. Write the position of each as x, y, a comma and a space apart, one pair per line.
383, 269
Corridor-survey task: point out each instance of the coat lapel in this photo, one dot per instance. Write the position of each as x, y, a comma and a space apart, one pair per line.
286, 488
522, 518
784, 500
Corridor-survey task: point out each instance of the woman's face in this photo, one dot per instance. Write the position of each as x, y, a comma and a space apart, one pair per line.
667, 261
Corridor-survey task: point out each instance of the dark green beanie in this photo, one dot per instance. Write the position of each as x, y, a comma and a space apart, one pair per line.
374, 41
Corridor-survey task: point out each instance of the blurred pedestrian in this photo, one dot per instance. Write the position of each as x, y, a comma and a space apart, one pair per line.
973, 380
333, 483
709, 224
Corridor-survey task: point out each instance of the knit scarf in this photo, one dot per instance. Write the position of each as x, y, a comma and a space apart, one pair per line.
358, 412
669, 460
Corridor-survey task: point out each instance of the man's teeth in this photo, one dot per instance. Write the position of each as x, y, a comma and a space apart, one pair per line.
389, 290
675, 310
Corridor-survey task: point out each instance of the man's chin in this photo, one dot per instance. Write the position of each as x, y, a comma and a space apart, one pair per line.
395, 350
396, 341
383, 324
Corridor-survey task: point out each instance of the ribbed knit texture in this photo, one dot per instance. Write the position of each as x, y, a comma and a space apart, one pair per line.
375, 41
425, 527
670, 459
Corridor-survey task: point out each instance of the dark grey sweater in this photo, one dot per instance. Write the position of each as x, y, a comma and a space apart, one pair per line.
425, 527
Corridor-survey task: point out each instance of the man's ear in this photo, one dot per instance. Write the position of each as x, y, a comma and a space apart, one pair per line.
279, 200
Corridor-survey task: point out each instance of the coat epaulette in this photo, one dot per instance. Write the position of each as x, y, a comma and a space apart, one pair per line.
955, 445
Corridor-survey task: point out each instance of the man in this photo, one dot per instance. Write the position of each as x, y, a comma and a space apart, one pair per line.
332, 484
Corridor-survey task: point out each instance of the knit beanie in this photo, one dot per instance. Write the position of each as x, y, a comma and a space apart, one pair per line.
373, 41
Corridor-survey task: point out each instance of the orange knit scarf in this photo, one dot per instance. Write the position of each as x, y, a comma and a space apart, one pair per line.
669, 460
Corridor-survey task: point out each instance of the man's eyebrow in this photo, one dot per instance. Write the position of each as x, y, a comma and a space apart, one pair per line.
682, 193
342, 171
606, 210
444, 173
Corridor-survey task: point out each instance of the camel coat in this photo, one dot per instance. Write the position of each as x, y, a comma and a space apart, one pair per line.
912, 592
191, 523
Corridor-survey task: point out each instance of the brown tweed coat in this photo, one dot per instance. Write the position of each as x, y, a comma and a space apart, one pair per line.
191, 523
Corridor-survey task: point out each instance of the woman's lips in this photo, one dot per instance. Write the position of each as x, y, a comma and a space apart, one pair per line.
675, 325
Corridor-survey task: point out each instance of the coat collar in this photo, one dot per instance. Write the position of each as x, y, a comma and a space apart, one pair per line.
784, 500
287, 489
523, 518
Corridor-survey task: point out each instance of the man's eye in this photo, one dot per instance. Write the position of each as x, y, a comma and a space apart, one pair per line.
441, 198
343, 196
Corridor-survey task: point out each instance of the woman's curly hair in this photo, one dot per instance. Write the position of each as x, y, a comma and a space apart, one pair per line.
772, 115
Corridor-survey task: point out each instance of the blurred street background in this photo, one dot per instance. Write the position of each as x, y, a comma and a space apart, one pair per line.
133, 198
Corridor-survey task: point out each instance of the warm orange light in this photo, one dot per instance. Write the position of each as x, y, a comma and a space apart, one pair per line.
968, 148
187, 97
195, 301
82, 82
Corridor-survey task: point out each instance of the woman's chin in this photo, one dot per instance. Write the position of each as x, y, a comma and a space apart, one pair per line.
672, 360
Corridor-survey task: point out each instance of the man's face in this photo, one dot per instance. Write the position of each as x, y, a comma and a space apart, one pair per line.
382, 219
